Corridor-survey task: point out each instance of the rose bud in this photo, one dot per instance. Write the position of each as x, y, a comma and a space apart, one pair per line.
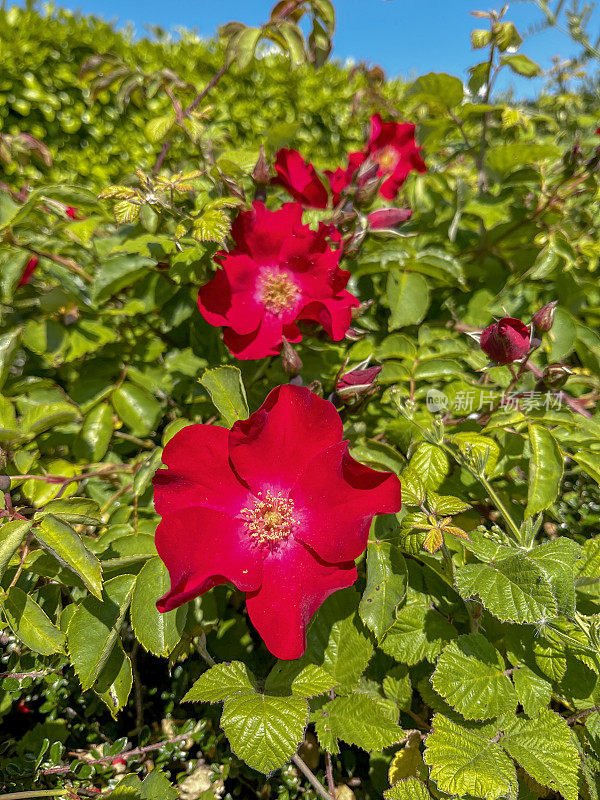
506, 341
544, 318
367, 191
290, 360
261, 174
555, 376
71, 212
30, 268
357, 383
388, 218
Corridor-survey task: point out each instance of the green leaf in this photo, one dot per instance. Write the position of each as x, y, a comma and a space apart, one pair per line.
115, 680
338, 641
158, 633
226, 390
512, 589
533, 691
94, 629
156, 786
475, 446
408, 789
589, 462
357, 720
66, 546
138, 409
470, 676
557, 561
545, 470
463, 762
96, 433
408, 297
77, 510
156, 129
505, 158
419, 632
430, 463
43, 417
386, 586
546, 749
11, 536
30, 624
291, 677
241, 48
117, 273
9, 342
264, 731
522, 65
437, 88
220, 682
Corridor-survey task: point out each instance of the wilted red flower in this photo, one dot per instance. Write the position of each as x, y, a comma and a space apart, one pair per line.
30, 268
280, 272
388, 217
276, 506
506, 341
392, 145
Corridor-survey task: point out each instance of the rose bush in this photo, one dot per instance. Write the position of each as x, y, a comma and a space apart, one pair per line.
210, 395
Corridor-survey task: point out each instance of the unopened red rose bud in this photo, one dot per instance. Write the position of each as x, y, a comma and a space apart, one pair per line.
30, 268
71, 212
367, 171
388, 217
290, 360
261, 174
367, 191
506, 341
544, 318
555, 376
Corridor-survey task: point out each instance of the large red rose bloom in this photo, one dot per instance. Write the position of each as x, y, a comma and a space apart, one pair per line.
506, 341
392, 145
279, 272
276, 506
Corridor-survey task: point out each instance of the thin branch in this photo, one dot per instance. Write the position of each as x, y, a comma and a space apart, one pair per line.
582, 714
311, 778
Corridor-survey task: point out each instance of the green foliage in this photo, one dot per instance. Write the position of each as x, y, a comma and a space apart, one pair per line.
465, 659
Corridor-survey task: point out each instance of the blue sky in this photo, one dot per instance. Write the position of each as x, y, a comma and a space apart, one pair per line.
407, 37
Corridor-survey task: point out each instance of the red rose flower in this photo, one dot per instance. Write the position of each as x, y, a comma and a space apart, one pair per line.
506, 341
392, 145
28, 271
279, 272
276, 506
299, 179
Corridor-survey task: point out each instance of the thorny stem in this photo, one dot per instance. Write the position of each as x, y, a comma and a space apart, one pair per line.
311, 778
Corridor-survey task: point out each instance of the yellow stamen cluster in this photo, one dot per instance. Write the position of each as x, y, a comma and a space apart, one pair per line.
270, 519
278, 291
387, 159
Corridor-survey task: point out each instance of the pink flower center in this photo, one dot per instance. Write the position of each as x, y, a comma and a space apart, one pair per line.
387, 158
270, 519
278, 291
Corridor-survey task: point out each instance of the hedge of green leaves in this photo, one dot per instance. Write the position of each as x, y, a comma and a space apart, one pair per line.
465, 660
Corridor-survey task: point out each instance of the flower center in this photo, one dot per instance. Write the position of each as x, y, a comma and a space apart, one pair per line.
278, 291
270, 520
387, 158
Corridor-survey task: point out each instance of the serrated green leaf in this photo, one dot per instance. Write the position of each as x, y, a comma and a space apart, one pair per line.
30, 624
545, 748
9, 343
463, 762
338, 641
470, 676
408, 762
419, 632
545, 470
212, 226
408, 789
357, 720
386, 586
77, 510
438, 88
557, 561
59, 539
430, 463
115, 680
590, 462
156, 129
264, 731
533, 691
94, 631
117, 273
220, 682
11, 536
512, 589
291, 677
226, 390
158, 633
